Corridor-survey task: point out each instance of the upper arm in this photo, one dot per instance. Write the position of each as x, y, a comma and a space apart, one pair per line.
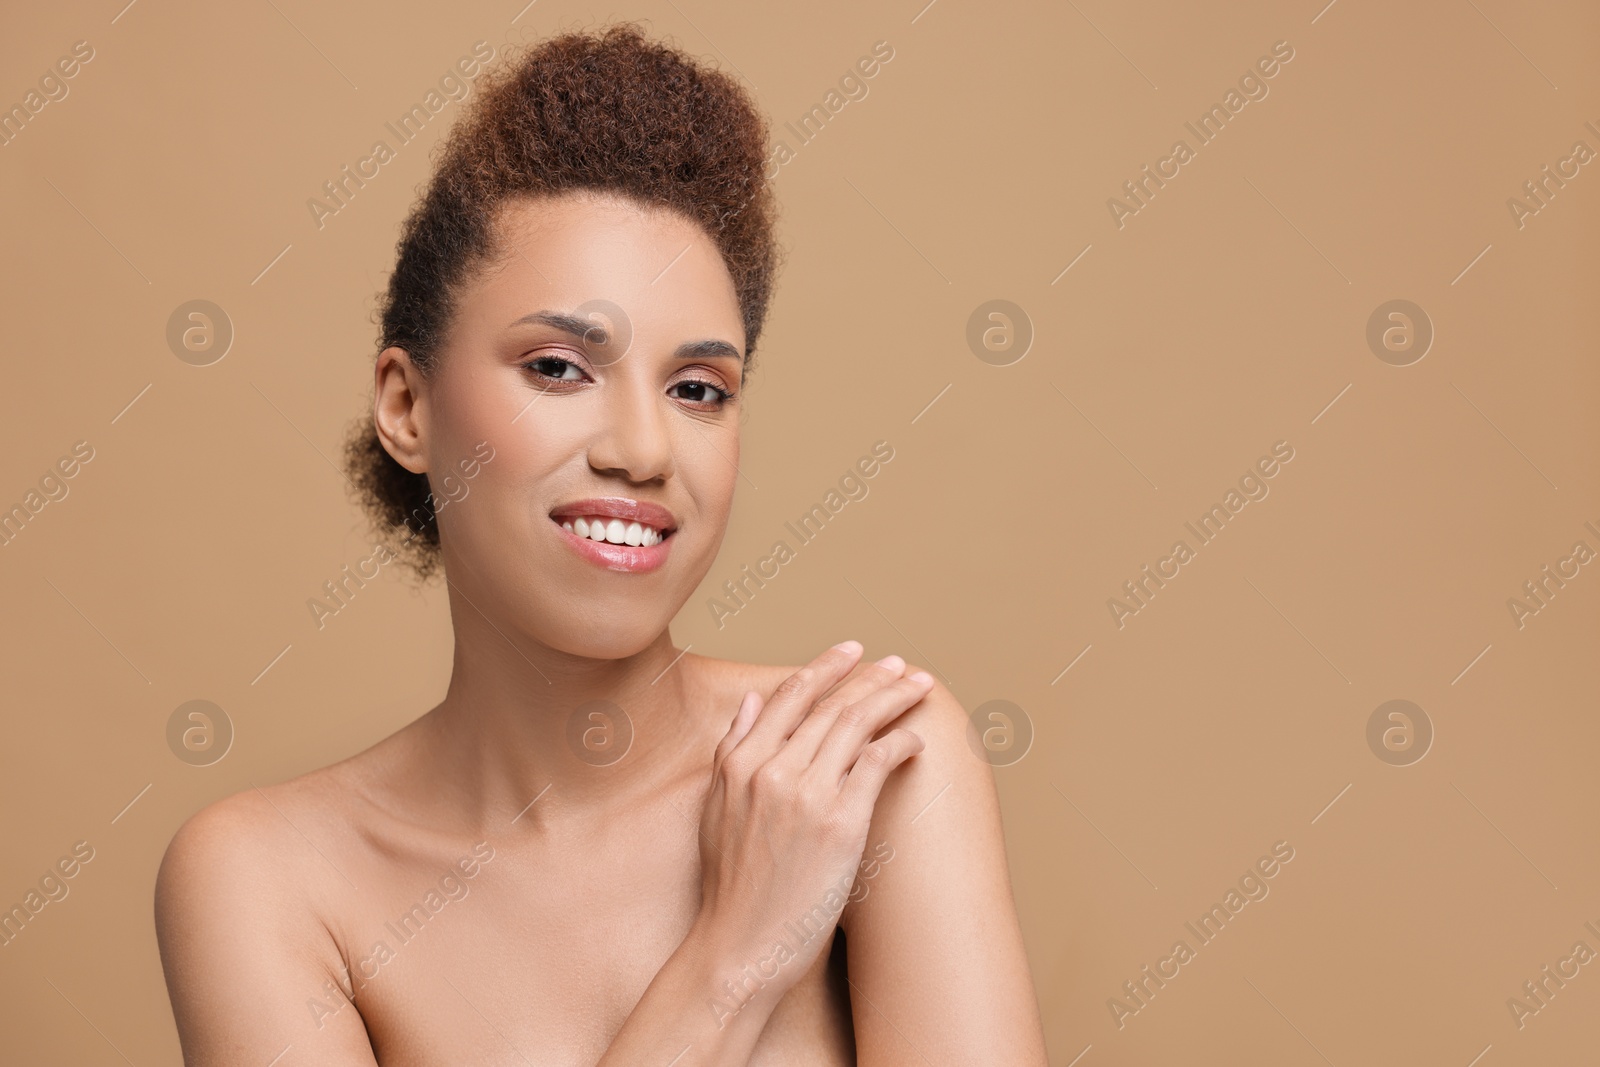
250, 970
937, 968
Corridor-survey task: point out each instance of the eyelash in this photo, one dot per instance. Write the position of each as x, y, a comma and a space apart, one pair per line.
722, 395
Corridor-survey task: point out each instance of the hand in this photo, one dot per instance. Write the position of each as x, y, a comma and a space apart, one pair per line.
794, 784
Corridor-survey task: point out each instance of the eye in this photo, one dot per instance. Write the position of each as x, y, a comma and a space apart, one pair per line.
555, 368
698, 391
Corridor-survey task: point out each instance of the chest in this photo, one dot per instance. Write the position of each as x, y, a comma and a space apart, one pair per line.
540, 955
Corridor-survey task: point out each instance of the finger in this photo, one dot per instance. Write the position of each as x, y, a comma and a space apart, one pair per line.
797, 693
807, 738
749, 708
848, 735
872, 769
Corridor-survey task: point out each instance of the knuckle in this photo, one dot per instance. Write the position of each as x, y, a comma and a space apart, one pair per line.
795, 684
875, 755
735, 765
830, 707
770, 778
854, 716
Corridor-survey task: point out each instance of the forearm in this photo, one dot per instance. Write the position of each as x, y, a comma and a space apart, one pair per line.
688, 1013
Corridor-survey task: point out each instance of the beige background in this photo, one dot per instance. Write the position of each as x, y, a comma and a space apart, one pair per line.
1228, 314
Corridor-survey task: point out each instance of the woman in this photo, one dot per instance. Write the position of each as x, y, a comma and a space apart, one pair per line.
597, 848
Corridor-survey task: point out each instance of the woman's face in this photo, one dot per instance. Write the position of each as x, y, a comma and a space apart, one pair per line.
600, 359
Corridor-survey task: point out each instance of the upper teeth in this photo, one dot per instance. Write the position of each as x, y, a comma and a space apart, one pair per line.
615, 531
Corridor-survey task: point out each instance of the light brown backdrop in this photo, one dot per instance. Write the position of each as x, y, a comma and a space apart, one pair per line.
1229, 313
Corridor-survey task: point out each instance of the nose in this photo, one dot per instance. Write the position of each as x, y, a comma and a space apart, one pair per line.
634, 440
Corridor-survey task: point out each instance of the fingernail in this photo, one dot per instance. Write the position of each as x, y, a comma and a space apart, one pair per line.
922, 677
892, 663
848, 646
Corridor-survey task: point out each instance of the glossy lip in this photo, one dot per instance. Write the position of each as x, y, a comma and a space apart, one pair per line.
635, 559
619, 507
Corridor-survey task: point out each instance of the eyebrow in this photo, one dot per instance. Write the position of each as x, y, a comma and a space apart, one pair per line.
568, 323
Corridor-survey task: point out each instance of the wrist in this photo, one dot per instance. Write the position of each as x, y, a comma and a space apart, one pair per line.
742, 980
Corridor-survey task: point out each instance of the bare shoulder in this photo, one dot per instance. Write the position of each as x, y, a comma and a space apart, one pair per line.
244, 856
243, 911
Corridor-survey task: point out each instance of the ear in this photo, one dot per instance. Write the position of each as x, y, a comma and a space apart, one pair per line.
400, 409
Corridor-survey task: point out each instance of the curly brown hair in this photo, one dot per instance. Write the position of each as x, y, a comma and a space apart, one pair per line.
607, 110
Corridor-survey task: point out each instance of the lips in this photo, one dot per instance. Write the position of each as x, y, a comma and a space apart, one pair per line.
617, 533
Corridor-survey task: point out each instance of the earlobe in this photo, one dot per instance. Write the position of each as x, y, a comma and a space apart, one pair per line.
400, 408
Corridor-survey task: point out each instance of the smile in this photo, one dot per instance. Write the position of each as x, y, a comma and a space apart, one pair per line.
617, 533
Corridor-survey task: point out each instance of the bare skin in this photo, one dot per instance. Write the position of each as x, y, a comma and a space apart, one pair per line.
491, 885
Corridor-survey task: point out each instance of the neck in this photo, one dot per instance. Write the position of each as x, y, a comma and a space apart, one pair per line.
528, 733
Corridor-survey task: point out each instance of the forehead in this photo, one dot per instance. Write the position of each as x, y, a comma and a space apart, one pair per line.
560, 251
